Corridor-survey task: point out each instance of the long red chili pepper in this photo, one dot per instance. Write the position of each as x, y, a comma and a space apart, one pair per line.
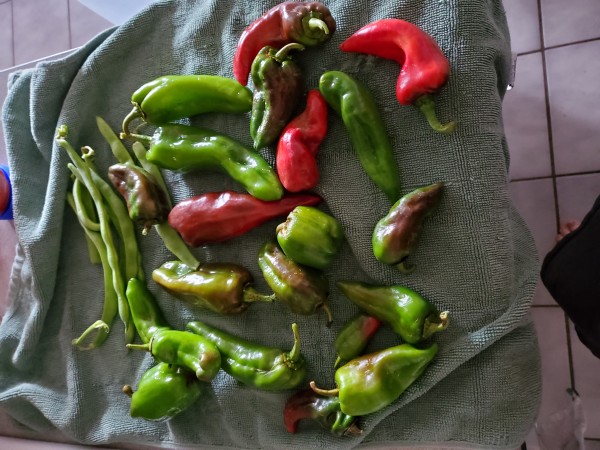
220, 216
298, 144
307, 23
425, 68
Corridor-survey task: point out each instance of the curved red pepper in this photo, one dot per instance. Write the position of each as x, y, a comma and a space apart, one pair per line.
308, 23
425, 68
299, 143
220, 216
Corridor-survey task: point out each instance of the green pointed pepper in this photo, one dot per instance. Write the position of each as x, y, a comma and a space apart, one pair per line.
310, 236
411, 316
163, 392
395, 236
371, 382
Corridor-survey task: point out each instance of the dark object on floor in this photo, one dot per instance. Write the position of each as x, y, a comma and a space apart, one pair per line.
571, 272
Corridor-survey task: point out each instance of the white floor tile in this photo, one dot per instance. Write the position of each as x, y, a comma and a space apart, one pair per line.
523, 24
6, 46
525, 121
85, 24
570, 22
574, 95
576, 195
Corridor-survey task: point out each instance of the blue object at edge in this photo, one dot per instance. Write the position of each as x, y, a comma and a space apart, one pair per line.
7, 214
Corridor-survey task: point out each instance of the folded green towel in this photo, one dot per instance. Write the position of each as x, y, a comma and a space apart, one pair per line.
476, 258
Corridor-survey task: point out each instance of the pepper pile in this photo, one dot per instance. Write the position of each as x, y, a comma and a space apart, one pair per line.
303, 247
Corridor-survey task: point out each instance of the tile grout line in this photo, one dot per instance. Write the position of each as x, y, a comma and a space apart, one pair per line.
69, 23
553, 169
12, 32
552, 47
560, 175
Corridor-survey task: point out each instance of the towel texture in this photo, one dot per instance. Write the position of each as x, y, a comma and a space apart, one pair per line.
476, 257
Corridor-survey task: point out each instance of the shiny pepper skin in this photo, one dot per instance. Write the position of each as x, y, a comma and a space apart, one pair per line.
354, 337
304, 290
310, 237
278, 88
258, 366
145, 312
163, 392
371, 382
298, 144
220, 287
396, 235
411, 316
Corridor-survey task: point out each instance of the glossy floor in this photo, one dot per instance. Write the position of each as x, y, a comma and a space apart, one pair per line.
552, 125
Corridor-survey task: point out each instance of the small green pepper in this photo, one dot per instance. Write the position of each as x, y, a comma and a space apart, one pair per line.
354, 337
262, 367
410, 315
222, 288
185, 349
395, 236
145, 312
371, 382
310, 236
173, 97
277, 91
163, 392
185, 148
303, 289
354, 103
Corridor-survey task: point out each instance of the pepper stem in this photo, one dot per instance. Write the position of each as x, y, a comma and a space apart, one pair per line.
100, 327
127, 390
283, 51
139, 137
434, 323
133, 114
353, 430
325, 308
314, 23
405, 267
145, 347
427, 107
251, 295
324, 392
294, 353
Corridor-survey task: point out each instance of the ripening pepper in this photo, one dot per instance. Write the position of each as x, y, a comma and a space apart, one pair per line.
396, 235
411, 316
371, 382
306, 404
310, 237
182, 348
354, 337
258, 366
146, 202
185, 148
221, 287
353, 102
220, 216
425, 68
303, 289
278, 87
309, 23
163, 392
173, 97
296, 160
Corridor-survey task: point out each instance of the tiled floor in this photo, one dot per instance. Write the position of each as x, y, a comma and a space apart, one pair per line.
552, 124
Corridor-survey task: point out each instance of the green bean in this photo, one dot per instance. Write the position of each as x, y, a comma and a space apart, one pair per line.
87, 219
110, 307
117, 147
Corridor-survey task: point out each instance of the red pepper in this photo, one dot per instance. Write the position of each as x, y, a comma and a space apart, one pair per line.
308, 23
299, 143
220, 216
425, 68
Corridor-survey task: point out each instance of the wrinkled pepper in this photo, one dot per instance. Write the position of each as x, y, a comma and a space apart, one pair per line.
309, 23
310, 237
411, 316
278, 87
305, 404
146, 202
425, 68
396, 235
220, 287
302, 289
173, 97
355, 104
220, 216
163, 392
145, 312
185, 148
371, 382
354, 337
258, 366
185, 349
298, 144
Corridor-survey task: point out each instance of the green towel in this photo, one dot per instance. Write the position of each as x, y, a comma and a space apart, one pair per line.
476, 257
